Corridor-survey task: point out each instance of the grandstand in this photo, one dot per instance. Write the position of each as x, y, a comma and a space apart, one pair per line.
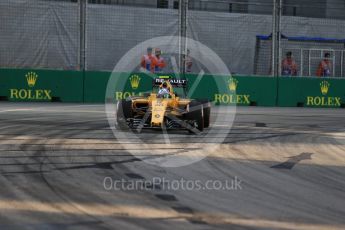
302, 8
319, 9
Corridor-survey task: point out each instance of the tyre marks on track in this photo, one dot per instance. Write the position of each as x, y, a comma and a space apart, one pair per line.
186, 212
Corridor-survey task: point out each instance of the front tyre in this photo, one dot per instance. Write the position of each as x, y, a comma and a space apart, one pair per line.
124, 112
196, 114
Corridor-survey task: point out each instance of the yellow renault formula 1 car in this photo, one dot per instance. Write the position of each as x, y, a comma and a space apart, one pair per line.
164, 109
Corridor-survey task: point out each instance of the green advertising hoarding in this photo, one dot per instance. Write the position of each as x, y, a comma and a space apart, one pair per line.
223, 90
41, 85
90, 87
311, 92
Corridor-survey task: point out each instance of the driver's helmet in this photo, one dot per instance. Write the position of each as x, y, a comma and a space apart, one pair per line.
164, 91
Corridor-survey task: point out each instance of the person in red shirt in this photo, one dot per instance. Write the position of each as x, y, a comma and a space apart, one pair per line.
158, 62
146, 60
289, 66
325, 67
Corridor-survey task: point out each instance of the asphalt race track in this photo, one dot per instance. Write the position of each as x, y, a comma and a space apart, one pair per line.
284, 168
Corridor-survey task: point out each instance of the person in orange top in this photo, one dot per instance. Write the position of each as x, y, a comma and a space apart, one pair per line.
325, 67
289, 66
158, 62
146, 60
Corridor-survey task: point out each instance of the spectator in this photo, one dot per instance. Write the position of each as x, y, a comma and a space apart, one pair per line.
289, 66
158, 62
146, 60
325, 67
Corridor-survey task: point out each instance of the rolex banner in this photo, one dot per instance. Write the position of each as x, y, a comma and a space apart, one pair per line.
311, 92
30, 85
41, 85
222, 90
230, 90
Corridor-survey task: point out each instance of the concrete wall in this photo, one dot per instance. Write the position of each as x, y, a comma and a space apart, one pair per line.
335, 9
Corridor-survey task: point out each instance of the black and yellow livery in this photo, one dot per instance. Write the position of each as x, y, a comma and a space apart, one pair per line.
163, 108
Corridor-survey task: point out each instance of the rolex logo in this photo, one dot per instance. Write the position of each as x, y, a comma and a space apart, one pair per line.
31, 78
232, 84
135, 81
324, 86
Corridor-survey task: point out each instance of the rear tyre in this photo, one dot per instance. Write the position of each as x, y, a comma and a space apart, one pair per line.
207, 111
124, 112
196, 114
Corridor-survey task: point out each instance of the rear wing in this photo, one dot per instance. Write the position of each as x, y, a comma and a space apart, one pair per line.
181, 83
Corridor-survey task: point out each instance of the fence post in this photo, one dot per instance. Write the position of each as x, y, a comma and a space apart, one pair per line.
279, 45
183, 8
276, 43
82, 40
274, 38
82, 31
